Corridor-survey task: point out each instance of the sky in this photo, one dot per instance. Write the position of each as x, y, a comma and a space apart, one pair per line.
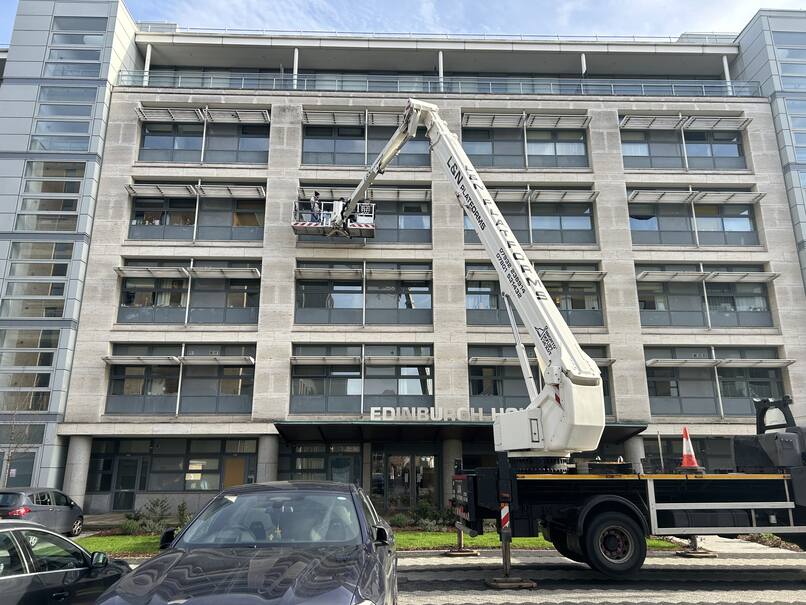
567, 17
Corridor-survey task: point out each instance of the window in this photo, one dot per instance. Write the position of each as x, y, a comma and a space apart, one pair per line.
146, 300
326, 389
41, 251
10, 560
346, 146
408, 222
225, 219
666, 224
35, 222
738, 304
797, 122
59, 170
74, 54
671, 304
792, 74
714, 150
72, 70
562, 223
171, 142
224, 301
496, 387
237, 143
81, 24
171, 219
57, 127
578, 302
398, 302
217, 390
78, 39
652, 149
142, 389
20, 464
556, 148
398, 386
504, 148
67, 94
52, 553
726, 225
59, 143
31, 308
739, 386
42, 499
516, 215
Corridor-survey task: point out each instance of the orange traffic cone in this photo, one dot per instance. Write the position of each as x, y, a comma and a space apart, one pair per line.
689, 463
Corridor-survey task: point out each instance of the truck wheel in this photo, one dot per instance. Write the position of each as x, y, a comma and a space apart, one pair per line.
614, 544
559, 540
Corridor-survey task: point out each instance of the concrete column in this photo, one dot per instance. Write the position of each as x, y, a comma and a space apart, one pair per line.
295, 72
583, 64
78, 463
634, 450
268, 447
147, 66
441, 72
451, 452
726, 73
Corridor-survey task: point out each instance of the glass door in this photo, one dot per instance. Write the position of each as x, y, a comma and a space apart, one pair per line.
342, 468
398, 482
129, 470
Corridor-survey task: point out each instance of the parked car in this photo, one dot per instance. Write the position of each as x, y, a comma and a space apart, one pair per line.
319, 543
40, 567
44, 505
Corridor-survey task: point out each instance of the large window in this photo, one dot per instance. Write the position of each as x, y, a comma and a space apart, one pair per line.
224, 301
408, 222
173, 465
703, 295
219, 219
349, 146
579, 302
706, 381
51, 196
171, 142
796, 108
350, 379
181, 379
334, 293
562, 223
505, 148
673, 224
663, 149
237, 144
790, 48
150, 300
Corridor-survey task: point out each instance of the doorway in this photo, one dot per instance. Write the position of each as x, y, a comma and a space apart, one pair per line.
404, 481
130, 472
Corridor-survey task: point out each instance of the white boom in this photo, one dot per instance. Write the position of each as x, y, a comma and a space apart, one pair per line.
567, 415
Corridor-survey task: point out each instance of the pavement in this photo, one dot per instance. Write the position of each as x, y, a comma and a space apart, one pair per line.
743, 573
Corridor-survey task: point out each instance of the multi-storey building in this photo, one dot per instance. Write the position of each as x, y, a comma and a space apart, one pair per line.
215, 346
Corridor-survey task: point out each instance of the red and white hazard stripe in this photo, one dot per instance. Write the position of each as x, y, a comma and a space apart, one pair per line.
504, 515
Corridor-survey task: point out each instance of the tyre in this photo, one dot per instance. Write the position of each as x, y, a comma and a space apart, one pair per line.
615, 544
559, 540
77, 527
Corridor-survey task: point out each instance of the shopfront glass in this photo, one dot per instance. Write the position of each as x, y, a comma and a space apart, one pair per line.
403, 481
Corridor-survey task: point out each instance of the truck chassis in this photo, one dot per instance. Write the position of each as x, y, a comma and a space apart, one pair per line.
602, 519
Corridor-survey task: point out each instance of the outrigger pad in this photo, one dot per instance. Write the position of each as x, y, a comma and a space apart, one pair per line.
512, 583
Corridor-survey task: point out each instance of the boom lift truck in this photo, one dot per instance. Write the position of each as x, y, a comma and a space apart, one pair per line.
601, 514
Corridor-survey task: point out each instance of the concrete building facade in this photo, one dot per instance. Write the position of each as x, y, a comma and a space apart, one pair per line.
215, 346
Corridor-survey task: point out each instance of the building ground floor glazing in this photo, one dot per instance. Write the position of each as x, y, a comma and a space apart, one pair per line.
405, 466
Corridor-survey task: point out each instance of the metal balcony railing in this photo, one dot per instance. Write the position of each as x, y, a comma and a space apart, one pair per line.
505, 85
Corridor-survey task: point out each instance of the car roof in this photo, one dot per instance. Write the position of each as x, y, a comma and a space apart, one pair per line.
300, 485
12, 524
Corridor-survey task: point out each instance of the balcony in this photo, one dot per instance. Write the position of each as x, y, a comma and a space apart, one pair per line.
432, 84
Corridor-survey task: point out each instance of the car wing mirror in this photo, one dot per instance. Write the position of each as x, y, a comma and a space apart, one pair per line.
167, 538
381, 535
99, 559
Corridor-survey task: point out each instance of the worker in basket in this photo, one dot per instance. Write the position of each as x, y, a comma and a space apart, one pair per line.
316, 207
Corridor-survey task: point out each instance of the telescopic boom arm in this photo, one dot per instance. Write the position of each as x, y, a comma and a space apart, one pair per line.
567, 415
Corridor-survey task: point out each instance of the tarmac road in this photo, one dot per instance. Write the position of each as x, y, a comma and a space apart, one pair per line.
742, 574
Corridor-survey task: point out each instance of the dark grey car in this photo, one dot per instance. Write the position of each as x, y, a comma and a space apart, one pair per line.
46, 506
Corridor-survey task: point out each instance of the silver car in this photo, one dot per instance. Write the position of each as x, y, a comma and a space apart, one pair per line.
46, 506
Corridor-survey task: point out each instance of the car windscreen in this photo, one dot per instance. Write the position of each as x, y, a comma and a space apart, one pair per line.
275, 517
10, 498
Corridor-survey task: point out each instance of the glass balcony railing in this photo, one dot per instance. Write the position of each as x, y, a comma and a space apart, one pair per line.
434, 85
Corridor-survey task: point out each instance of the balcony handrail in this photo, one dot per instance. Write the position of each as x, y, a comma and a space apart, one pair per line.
722, 38
432, 84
